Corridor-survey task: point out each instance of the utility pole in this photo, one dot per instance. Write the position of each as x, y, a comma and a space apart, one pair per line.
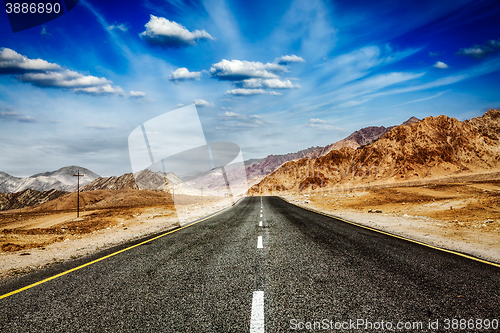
78, 193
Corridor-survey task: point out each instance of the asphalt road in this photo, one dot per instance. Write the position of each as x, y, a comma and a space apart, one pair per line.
306, 269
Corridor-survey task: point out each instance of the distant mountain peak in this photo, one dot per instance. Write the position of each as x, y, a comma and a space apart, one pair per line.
410, 121
61, 179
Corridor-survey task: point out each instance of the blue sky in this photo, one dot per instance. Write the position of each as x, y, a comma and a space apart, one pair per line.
272, 76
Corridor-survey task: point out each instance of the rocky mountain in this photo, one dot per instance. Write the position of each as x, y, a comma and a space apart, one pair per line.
357, 139
432, 147
27, 198
271, 162
144, 179
61, 180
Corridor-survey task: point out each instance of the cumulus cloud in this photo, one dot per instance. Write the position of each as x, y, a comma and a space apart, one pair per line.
12, 62
183, 74
268, 83
203, 104
481, 51
237, 70
122, 27
289, 59
164, 33
440, 65
62, 79
321, 124
137, 94
10, 115
44, 74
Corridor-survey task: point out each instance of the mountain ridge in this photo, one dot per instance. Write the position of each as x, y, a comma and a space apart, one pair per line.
433, 146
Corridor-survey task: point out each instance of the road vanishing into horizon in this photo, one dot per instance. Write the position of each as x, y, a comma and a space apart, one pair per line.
264, 265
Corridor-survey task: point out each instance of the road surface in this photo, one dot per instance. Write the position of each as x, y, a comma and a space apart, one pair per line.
263, 266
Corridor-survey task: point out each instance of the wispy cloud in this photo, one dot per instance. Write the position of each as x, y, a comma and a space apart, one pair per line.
481, 51
122, 27
424, 99
101, 126
10, 115
164, 33
237, 120
321, 124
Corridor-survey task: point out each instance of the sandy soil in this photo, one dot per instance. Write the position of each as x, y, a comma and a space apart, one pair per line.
463, 217
36, 237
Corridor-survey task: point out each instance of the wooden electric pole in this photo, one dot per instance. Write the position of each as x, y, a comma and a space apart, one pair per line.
78, 193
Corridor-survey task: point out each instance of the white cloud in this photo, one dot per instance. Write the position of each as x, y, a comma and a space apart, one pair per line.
203, 104
440, 65
237, 70
226, 108
43, 74
106, 89
268, 83
137, 94
123, 27
289, 59
179, 105
63, 79
183, 74
164, 33
12, 62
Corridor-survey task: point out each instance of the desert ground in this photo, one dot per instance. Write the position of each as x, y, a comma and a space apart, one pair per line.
456, 213
32, 238
460, 214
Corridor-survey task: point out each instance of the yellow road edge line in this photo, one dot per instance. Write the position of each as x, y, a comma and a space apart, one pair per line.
109, 255
396, 236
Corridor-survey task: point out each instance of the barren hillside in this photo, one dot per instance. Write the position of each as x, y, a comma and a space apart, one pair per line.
432, 147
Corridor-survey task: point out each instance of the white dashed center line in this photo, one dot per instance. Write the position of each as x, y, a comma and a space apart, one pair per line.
259, 243
260, 215
257, 319
260, 224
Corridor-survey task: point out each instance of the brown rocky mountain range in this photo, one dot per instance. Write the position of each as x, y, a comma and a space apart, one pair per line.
432, 147
27, 198
357, 139
144, 179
